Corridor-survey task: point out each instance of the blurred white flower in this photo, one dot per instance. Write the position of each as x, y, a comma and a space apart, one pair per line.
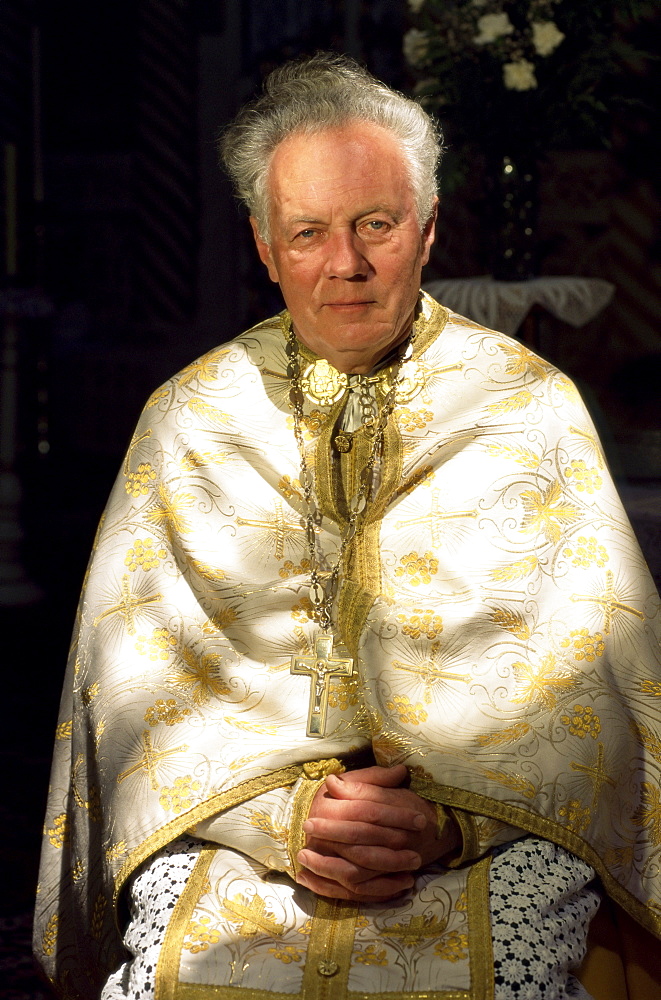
415, 45
546, 37
493, 26
415, 5
519, 75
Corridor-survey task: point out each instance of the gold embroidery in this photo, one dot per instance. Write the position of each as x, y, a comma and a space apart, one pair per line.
150, 760
167, 712
512, 621
413, 420
585, 646
129, 606
546, 512
516, 571
181, 796
514, 781
585, 480
577, 816
78, 871
370, 956
287, 953
508, 735
143, 554
171, 511
433, 520
421, 623
516, 402
651, 687
200, 675
251, 727
596, 773
63, 731
115, 851
138, 483
263, 822
406, 712
291, 488
49, 938
207, 412
524, 456
521, 360
417, 569
587, 552
453, 947
289, 569
275, 527
609, 603
160, 645
89, 693
541, 683
583, 722
199, 935
252, 915
651, 742
649, 813
58, 834
98, 915
416, 929
429, 672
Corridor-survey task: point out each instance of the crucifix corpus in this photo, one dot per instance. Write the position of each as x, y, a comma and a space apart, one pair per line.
320, 668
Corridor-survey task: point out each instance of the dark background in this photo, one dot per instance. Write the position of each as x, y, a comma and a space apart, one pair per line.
133, 258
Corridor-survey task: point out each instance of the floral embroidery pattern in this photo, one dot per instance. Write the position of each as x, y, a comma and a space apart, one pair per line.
406, 712
199, 935
167, 712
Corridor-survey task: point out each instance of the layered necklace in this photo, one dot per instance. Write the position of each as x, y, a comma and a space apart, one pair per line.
324, 664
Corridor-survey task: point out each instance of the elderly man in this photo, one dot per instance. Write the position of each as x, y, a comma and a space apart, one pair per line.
364, 688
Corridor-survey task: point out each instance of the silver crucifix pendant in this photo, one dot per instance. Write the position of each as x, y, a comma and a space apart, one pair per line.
321, 667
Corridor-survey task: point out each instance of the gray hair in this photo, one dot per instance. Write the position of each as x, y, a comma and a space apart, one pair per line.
324, 91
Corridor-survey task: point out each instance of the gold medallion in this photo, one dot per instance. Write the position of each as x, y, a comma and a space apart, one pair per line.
343, 442
410, 385
322, 383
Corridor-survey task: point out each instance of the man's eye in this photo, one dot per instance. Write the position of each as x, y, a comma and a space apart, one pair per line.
307, 234
376, 226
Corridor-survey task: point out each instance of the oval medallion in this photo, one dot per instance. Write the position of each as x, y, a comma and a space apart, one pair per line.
322, 383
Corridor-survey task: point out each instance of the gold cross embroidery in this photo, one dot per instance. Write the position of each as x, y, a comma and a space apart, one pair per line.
434, 517
253, 916
128, 605
429, 673
150, 760
609, 602
277, 523
596, 772
320, 667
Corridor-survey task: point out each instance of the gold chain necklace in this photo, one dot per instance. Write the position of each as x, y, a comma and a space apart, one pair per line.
323, 664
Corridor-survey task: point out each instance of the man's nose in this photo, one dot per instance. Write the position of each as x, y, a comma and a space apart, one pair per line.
345, 256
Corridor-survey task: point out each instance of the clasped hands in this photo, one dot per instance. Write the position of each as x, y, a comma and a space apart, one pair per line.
367, 835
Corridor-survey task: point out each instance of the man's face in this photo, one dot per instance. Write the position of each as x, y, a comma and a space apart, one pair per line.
346, 247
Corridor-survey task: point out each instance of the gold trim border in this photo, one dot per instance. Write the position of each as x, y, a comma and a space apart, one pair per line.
543, 827
281, 778
169, 959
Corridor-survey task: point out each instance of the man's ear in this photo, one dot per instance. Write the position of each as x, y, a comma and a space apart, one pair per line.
429, 232
264, 250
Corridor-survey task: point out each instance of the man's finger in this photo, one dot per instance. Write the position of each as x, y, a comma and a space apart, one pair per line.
374, 890
366, 857
367, 810
347, 832
386, 777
